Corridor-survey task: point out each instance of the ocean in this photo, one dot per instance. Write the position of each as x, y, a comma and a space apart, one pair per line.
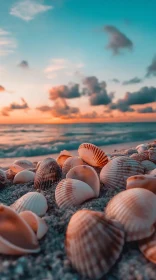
39, 140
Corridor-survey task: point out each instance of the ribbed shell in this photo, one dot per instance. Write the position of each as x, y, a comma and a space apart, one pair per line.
70, 163
48, 172
135, 209
115, 173
32, 201
93, 243
37, 224
152, 155
62, 157
147, 182
148, 247
24, 176
16, 237
140, 157
92, 155
71, 192
148, 165
3, 178
86, 174
21, 164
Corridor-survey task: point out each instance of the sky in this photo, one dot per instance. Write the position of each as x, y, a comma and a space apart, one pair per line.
65, 61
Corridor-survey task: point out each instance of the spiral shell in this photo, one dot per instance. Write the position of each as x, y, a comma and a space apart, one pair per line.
147, 182
20, 165
115, 173
3, 178
148, 247
140, 157
148, 165
32, 201
86, 174
62, 157
93, 243
70, 163
48, 172
92, 155
71, 192
16, 237
24, 176
152, 155
135, 209
37, 224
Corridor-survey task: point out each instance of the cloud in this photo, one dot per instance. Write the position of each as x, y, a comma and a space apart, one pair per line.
117, 40
135, 80
146, 110
15, 106
115, 80
23, 64
28, 9
2, 89
151, 69
71, 91
96, 91
7, 43
44, 108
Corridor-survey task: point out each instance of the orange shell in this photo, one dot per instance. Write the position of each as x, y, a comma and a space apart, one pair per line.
147, 182
93, 155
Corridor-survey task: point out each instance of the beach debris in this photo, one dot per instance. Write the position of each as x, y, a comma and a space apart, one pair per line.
148, 165
72, 192
48, 173
37, 224
62, 157
70, 163
152, 155
21, 164
92, 155
148, 247
147, 182
24, 176
93, 243
115, 173
32, 201
135, 209
16, 236
3, 178
86, 174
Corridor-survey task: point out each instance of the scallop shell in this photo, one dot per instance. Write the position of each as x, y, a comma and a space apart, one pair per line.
135, 209
115, 173
32, 201
70, 163
140, 157
148, 165
92, 155
86, 174
71, 192
38, 164
153, 172
21, 164
48, 172
3, 178
37, 224
147, 182
142, 147
152, 155
62, 157
148, 247
16, 237
24, 176
93, 243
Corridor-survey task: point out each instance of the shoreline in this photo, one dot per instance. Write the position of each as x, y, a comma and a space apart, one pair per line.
5, 162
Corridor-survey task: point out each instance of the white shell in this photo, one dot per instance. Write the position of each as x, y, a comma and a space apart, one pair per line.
70, 163
86, 174
147, 182
32, 201
24, 176
92, 155
135, 209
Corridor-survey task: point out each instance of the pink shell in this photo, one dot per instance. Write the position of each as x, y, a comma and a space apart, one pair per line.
147, 182
140, 157
148, 247
70, 163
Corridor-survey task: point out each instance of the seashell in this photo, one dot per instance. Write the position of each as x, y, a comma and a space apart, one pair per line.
142, 147
115, 173
148, 165
148, 247
92, 155
16, 237
32, 201
130, 151
153, 172
71, 192
10, 174
152, 155
62, 157
135, 209
93, 243
140, 157
86, 174
3, 178
21, 164
70, 163
48, 172
147, 182
37, 224
38, 164
24, 176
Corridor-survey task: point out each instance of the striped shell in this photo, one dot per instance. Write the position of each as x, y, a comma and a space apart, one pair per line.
32, 201
38, 164
152, 155
93, 155
148, 247
147, 182
37, 224
24, 176
93, 243
48, 173
86, 174
71, 192
135, 209
21, 164
16, 237
140, 157
148, 165
70, 163
115, 173
62, 157
3, 178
